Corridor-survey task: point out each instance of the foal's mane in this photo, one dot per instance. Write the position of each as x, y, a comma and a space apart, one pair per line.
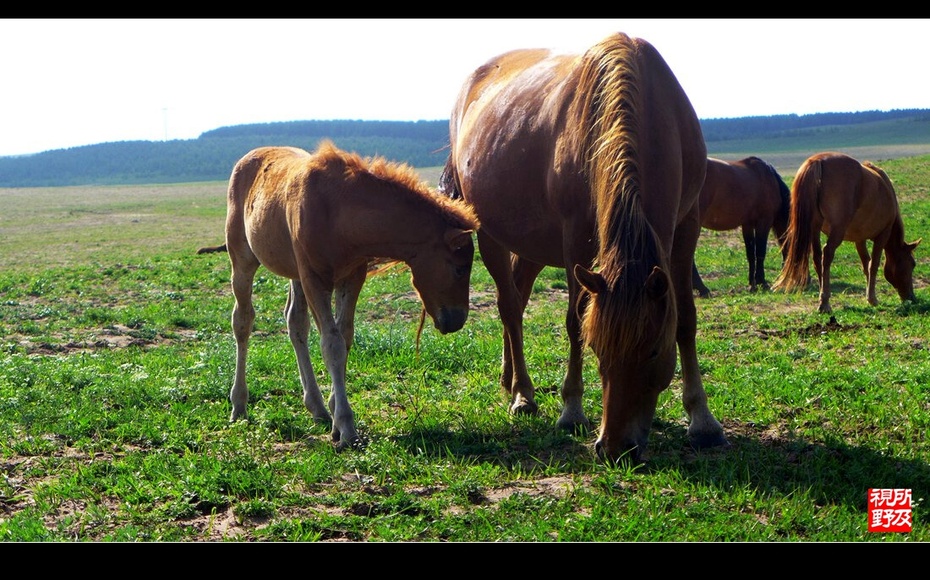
607, 106
405, 181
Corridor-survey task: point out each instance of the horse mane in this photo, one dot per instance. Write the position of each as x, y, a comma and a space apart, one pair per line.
783, 215
607, 107
896, 241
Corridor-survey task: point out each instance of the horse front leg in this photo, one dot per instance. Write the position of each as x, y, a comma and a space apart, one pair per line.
298, 329
572, 417
761, 247
335, 354
703, 430
347, 294
871, 275
515, 379
697, 283
749, 243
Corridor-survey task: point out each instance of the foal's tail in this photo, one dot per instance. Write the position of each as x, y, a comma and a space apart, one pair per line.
212, 249
802, 232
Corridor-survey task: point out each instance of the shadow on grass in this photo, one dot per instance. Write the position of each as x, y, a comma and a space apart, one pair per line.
831, 471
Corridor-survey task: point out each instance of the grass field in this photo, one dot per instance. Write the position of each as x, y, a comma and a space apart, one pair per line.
116, 359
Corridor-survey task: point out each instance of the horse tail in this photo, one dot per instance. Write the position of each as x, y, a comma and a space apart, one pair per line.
448, 180
800, 236
783, 214
606, 108
212, 249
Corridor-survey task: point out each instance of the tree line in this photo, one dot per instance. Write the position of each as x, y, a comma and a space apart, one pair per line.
211, 156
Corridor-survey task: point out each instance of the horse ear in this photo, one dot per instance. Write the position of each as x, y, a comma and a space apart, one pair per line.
913, 245
656, 284
591, 281
457, 239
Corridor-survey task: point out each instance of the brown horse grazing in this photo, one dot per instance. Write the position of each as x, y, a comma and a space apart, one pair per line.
584, 162
748, 194
321, 220
848, 201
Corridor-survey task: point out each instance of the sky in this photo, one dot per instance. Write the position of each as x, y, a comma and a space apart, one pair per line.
72, 82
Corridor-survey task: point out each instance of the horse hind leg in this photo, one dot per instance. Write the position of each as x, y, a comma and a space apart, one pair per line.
298, 329
825, 259
244, 266
515, 379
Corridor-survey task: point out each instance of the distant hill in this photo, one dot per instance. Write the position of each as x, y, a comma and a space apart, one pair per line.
422, 144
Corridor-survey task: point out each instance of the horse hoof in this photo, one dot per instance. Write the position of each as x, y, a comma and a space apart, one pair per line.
524, 407
348, 444
709, 440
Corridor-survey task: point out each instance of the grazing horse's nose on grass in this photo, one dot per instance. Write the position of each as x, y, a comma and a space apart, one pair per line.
450, 319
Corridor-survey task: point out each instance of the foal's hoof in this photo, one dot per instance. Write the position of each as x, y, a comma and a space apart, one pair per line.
524, 406
348, 444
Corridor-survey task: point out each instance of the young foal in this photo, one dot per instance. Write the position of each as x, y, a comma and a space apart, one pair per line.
321, 221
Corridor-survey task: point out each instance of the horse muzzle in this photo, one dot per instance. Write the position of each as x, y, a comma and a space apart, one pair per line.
450, 319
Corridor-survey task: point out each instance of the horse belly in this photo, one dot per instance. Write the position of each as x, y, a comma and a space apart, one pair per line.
269, 237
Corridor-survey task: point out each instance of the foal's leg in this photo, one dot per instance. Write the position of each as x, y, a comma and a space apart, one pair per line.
335, 351
347, 293
298, 328
515, 379
244, 265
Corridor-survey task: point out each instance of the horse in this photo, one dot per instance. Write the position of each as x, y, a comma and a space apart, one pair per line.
593, 163
748, 194
849, 201
324, 221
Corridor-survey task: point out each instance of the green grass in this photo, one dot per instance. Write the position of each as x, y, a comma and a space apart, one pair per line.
116, 359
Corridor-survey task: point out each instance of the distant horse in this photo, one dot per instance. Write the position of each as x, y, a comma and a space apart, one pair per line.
849, 201
590, 162
747, 194
322, 220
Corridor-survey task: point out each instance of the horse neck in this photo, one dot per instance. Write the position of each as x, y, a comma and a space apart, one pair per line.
896, 245
392, 225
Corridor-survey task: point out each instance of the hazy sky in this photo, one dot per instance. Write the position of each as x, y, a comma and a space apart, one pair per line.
66, 83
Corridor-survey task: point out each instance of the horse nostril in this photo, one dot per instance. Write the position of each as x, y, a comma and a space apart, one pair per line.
451, 320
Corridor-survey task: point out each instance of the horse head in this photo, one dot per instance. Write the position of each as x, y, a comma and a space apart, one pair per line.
636, 357
899, 270
441, 273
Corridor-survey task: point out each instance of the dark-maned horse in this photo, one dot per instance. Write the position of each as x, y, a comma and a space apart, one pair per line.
322, 221
748, 194
849, 201
592, 163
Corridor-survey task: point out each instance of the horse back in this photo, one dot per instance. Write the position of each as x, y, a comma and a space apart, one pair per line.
506, 130
264, 186
856, 198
